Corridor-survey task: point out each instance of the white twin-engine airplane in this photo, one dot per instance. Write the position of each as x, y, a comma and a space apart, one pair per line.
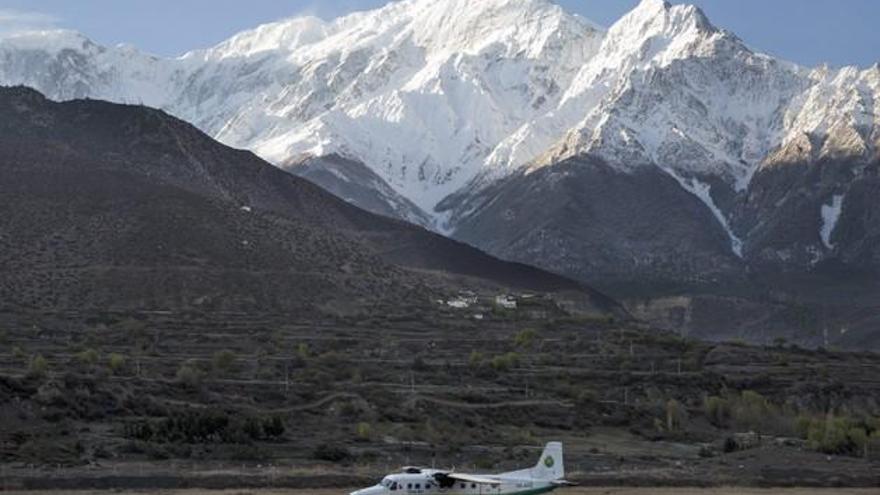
547, 475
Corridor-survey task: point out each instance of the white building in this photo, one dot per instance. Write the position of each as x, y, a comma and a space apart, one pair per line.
505, 301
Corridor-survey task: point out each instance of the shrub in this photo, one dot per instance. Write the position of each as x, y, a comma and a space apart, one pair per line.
38, 367
475, 360
274, 427
675, 415
751, 410
277, 341
364, 431
302, 350
802, 425
189, 374
248, 453
841, 435
858, 438
88, 357
207, 426
505, 362
717, 410
116, 362
331, 453
223, 361
18, 353
730, 445
525, 338
419, 364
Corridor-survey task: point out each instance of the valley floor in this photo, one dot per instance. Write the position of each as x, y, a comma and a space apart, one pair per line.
242, 402
570, 491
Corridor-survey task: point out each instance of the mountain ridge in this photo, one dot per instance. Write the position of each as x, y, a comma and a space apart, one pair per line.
120, 206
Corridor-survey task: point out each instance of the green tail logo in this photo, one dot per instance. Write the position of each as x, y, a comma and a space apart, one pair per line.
548, 461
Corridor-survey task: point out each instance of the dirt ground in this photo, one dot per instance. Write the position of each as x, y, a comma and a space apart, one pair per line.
569, 491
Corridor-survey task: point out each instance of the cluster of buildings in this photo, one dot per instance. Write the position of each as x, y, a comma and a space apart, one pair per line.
468, 299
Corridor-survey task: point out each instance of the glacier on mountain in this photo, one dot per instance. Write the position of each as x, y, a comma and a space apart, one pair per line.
830, 216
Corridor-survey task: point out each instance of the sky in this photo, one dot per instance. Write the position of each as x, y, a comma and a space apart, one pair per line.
808, 32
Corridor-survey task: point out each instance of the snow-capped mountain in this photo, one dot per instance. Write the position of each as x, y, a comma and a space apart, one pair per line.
420, 91
441, 96
455, 114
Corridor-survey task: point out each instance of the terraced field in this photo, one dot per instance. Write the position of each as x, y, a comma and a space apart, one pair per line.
250, 401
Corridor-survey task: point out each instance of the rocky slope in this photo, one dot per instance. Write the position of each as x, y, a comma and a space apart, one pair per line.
119, 207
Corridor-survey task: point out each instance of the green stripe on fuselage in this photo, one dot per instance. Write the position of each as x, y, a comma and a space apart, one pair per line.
533, 491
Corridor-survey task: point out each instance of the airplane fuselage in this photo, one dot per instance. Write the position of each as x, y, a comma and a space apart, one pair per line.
424, 483
545, 476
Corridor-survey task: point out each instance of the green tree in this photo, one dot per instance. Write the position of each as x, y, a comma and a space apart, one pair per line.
717, 410
674, 415
752, 410
830, 435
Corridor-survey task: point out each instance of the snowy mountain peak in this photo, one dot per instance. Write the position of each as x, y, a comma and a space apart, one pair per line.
440, 98
646, 11
522, 26
285, 36
439, 83
657, 28
50, 41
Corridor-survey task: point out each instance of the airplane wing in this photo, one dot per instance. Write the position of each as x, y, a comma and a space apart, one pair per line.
563, 483
472, 478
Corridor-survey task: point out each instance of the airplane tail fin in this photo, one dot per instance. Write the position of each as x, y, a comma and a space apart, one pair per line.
550, 466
